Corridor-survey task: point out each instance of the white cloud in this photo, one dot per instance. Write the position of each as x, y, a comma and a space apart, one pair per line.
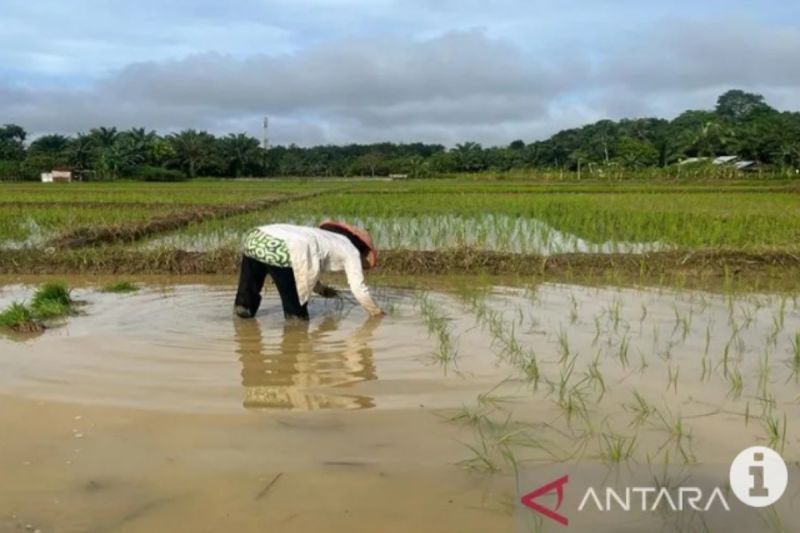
448, 87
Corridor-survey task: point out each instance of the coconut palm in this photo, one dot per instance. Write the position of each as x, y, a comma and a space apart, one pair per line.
192, 149
239, 151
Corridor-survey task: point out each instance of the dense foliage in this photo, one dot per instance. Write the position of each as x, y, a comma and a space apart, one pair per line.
742, 124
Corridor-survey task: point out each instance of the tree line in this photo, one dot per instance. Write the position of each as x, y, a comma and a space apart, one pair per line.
741, 124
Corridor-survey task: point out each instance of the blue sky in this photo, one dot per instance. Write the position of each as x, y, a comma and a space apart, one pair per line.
336, 71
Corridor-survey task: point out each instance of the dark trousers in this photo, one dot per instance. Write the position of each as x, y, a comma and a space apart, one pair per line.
251, 280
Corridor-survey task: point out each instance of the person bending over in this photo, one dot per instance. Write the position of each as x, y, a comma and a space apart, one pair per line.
295, 256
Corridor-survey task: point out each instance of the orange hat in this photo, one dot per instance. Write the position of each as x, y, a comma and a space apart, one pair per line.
354, 233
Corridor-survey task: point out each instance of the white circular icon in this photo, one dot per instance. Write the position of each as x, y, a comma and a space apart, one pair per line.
759, 476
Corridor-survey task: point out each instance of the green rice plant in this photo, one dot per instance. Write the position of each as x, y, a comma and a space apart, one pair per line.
483, 459
639, 408
764, 371
615, 313
52, 292
563, 345
616, 448
52, 300
120, 287
794, 361
18, 317
597, 330
438, 325
594, 376
706, 369
678, 435
776, 432
736, 384
672, 376
622, 353
573, 310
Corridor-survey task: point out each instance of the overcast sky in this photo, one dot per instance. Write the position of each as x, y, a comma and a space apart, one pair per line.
340, 71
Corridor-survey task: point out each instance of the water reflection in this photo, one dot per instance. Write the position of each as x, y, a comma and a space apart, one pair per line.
303, 368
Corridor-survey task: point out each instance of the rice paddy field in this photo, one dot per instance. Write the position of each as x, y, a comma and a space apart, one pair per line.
531, 328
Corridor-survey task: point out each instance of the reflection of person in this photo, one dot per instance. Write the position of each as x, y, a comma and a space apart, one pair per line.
295, 256
290, 374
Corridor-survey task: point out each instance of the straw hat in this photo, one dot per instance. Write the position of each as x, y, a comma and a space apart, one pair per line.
357, 234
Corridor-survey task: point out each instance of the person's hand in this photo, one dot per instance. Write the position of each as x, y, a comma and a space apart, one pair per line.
328, 292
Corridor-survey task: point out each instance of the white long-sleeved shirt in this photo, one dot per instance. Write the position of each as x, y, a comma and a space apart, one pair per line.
313, 251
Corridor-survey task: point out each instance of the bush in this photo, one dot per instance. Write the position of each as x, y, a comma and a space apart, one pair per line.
51, 300
148, 173
9, 170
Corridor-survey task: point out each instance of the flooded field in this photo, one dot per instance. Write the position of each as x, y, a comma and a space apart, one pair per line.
158, 410
494, 232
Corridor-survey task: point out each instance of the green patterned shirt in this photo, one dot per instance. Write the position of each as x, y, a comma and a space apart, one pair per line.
266, 248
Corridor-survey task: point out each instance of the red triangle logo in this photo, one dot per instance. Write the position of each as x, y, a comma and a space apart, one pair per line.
558, 486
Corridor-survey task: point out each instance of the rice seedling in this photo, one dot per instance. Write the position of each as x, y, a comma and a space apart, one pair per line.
639, 408
764, 371
706, 369
597, 330
594, 376
573, 310
736, 383
678, 435
794, 361
18, 317
617, 448
672, 376
120, 287
622, 353
615, 313
51, 300
776, 432
563, 345
438, 325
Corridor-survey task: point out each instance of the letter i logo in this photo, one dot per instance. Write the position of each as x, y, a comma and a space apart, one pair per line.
758, 476
758, 490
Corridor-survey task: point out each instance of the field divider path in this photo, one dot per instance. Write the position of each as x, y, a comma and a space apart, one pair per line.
698, 264
133, 231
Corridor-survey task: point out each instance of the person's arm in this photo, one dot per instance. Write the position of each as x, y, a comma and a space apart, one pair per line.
355, 278
325, 291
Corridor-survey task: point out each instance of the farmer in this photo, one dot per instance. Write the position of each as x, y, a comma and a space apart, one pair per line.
295, 256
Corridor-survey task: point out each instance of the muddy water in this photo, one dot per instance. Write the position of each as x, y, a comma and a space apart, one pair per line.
160, 411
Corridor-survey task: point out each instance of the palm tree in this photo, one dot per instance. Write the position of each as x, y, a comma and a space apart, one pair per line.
81, 151
104, 137
238, 151
468, 156
192, 149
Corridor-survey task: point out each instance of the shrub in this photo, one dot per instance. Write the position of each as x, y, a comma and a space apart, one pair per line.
120, 287
9, 170
148, 173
